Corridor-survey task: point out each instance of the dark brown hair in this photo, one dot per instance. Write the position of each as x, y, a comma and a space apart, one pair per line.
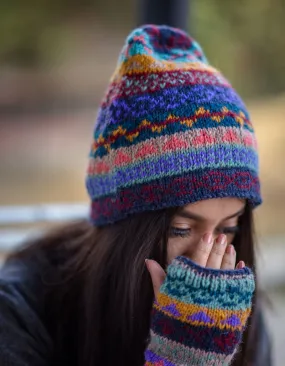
98, 294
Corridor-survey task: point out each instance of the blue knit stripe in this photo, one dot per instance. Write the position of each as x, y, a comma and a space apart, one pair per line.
169, 164
169, 100
184, 111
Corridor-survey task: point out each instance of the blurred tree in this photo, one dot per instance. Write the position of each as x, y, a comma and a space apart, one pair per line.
244, 38
28, 27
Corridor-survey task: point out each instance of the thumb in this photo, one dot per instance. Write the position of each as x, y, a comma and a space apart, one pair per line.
157, 275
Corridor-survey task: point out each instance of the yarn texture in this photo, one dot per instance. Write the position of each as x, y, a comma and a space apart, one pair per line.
199, 315
170, 131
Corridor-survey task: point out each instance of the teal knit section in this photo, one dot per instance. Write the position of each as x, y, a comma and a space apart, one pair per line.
232, 289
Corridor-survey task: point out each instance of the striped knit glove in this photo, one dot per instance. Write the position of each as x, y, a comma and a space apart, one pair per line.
199, 315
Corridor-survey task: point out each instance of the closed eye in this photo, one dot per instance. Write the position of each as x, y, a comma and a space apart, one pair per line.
183, 233
230, 230
178, 232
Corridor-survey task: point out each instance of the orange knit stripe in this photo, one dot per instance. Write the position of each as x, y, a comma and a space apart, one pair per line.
144, 63
218, 315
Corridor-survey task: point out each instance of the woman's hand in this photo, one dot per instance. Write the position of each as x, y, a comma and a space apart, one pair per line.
202, 306
216, 254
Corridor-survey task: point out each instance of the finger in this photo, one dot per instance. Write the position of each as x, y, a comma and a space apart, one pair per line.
229, 259
240, 265
202, 251
217, 252
157, 275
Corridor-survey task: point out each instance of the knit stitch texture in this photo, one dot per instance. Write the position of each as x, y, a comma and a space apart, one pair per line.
170, 131
199, 315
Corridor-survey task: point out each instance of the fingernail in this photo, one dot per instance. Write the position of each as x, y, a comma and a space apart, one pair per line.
230, 249
208, 238
241, 264
221, 239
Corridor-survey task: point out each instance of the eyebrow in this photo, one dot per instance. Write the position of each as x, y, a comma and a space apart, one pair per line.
189, 215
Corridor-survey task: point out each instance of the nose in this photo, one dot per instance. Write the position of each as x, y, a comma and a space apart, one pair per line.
200, 236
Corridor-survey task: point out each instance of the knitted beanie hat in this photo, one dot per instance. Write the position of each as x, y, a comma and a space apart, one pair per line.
170, 131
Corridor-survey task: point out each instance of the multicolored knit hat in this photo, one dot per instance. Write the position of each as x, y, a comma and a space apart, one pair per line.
170, 131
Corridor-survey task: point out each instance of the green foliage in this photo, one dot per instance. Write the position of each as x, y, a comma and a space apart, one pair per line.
28, 28
244, 38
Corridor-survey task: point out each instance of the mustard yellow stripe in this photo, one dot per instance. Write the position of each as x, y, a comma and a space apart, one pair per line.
218, 316
158, 127
145, 63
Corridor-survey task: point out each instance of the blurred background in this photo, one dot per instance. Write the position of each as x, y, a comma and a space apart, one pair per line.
56, 58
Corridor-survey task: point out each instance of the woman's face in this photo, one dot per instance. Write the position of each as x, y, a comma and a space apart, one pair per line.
191, 222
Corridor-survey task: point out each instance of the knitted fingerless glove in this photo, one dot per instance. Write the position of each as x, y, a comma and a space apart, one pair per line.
199, 315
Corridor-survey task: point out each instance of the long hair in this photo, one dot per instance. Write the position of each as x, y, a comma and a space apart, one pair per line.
98, 293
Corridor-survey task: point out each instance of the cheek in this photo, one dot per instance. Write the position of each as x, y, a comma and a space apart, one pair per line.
181, 246
230, 238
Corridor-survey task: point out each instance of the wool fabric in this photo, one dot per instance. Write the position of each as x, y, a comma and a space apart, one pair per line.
199, 315
170, 131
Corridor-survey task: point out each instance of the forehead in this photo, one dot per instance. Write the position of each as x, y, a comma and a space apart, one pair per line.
215, 209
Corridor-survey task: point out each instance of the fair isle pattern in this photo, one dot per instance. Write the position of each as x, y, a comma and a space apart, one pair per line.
123, 134
172, 108
131, 85
168, 144
172, 191
221, 318
169, 164
169, 123
184, 49
205, 329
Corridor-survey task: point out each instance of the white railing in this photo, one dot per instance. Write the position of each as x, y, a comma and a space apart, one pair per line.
16, 222
12, 215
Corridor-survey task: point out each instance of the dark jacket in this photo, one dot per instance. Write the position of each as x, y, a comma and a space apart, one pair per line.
24, 336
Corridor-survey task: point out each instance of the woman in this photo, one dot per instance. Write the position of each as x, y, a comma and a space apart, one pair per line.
173, 179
